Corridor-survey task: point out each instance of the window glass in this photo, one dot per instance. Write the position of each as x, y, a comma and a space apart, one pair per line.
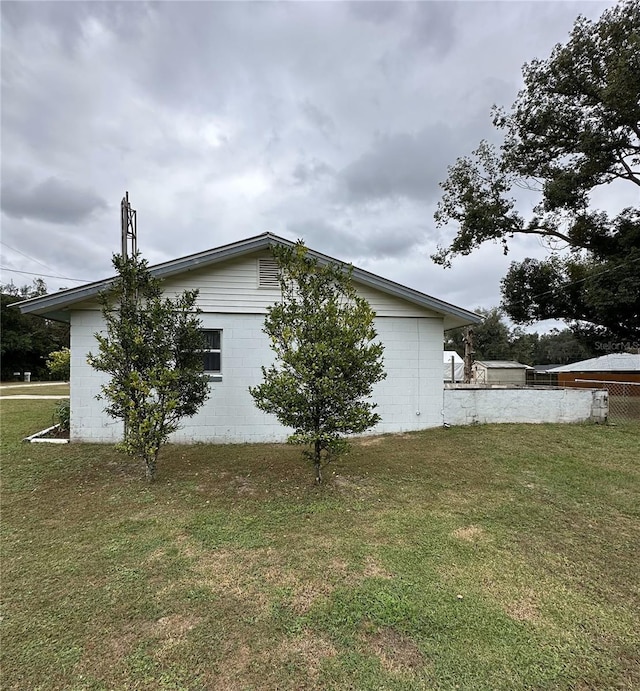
211, 351
212, 340
211, 362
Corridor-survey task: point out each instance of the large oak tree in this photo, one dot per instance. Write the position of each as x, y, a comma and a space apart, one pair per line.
574, 128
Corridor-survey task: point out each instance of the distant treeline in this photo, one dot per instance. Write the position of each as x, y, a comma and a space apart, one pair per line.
26, 339
495, 340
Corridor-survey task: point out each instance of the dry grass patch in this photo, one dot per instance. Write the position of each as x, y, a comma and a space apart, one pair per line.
173, 626
351, 485
506, 583
372, 569
470, 533
370, 441
309, 649
249, 668
171, 631
397, 653
524, 608
255, 579
229, 572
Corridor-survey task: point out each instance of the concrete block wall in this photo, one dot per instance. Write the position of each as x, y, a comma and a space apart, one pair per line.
88, 420
465, 406
410, 398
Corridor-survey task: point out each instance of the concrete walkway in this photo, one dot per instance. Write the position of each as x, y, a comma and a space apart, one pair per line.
32, 397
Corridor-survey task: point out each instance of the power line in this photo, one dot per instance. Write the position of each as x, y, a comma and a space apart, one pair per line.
582, 280
33, 259
31, 273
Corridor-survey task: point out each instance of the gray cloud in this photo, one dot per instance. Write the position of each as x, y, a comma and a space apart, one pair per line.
364, 243
433, 27
404, 165
318, 118
52, 200
377, 11
67, 20
311, 172
333, 121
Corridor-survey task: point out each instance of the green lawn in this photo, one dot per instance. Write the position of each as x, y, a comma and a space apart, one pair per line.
487, 557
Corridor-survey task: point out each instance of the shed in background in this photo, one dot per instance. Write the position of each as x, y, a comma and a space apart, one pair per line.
500, 372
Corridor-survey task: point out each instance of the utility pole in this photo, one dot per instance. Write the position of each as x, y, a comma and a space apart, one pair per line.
129, 233
467, 339
129, 228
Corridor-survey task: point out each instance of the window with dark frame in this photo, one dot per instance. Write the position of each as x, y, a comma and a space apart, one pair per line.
212, 351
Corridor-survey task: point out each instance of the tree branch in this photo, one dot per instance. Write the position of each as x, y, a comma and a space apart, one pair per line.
545, 232
631, 174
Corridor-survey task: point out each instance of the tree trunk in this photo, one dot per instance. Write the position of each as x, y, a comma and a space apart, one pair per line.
316, 462
151, 463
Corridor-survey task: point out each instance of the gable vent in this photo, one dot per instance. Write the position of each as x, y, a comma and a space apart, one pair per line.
268, 273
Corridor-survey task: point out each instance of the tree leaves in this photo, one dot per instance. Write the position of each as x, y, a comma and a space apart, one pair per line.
152, 352
327, 362
574, 127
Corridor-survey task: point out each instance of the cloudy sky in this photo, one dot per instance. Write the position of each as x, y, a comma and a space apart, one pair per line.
328, 121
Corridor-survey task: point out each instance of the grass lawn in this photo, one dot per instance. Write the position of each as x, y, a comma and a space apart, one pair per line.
488, 557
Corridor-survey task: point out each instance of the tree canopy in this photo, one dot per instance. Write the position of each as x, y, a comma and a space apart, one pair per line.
494, 339
327, 362
574, 129
27, 339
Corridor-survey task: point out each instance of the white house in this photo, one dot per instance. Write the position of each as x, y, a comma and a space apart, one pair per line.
237, 282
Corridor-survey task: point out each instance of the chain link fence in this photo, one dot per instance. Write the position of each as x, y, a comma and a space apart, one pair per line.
624, 397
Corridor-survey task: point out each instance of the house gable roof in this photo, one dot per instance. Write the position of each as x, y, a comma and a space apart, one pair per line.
502, 364
612, 362
56, 305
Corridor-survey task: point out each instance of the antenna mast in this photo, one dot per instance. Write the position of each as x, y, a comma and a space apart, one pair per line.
129, 227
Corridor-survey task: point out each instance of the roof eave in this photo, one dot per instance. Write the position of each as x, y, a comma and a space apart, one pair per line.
56, 303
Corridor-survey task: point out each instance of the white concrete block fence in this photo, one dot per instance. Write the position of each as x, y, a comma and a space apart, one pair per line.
464, 405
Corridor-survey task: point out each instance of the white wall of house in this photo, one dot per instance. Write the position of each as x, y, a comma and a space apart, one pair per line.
410, 398
462, 406
233, 286
88, 421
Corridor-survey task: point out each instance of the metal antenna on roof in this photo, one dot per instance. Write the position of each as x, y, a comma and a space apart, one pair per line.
129, 227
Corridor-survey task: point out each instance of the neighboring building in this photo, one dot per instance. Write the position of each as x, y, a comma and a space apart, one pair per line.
542, 375
453, 366
499, 372
603, 371
237, 282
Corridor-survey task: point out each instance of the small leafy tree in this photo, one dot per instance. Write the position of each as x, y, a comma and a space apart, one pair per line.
326, 361
59, 364
62, 415
152, 352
